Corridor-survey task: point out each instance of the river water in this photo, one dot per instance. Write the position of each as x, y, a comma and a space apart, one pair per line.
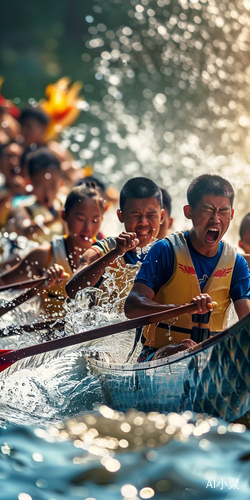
60, 440
166, 96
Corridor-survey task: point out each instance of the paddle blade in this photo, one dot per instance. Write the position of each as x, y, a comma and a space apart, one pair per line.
5, 365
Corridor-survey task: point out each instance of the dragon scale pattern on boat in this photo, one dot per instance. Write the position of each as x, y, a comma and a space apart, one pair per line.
213, 377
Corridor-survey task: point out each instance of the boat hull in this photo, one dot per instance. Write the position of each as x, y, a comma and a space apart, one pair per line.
212, 377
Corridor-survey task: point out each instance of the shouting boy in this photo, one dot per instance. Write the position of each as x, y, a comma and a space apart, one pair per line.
193, 266
141, 211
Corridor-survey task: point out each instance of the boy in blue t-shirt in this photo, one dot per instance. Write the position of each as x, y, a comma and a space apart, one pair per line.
200, 258
141, 212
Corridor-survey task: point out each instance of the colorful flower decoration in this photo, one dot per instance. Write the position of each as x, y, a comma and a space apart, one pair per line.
62, 104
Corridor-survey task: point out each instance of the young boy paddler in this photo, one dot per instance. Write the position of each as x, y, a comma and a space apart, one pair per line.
83, 213
141, 211
39, 218
193, 266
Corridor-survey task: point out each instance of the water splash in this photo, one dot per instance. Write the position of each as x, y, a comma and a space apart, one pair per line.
166, 95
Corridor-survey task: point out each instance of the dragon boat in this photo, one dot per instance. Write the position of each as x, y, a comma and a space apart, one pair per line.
212, 377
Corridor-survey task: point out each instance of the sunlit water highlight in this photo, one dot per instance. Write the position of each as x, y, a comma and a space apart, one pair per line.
105, 454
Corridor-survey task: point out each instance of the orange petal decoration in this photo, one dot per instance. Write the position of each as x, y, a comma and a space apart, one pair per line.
62, 104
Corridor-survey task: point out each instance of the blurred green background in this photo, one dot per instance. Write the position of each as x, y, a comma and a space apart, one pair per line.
166, 84
41, 41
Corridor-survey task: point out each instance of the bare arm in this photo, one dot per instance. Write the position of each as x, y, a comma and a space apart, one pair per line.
140, 302
34, 265
31, 266
90, 271
242, 307
93, 266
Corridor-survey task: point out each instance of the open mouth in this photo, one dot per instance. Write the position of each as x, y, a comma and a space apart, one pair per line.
142, 234
86, 238
212, 235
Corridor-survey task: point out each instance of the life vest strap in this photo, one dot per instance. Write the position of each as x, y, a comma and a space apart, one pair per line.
201, 318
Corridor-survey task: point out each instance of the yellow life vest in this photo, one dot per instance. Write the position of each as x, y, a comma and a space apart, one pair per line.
54, 296
184, 285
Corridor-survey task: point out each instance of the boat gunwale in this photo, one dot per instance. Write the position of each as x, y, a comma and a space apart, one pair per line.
229, 332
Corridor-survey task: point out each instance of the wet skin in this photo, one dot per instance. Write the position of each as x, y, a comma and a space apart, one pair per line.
143, 217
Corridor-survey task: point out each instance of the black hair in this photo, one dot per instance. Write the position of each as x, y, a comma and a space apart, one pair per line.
140, 187
35, 113
167, 200
78, 193
99, 184
245, 225
42, 159
209, 184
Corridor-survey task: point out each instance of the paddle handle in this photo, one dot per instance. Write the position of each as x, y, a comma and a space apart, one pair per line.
212, 305
32, 285
104, 331
28, 283
170, 313
22, 284
12, 304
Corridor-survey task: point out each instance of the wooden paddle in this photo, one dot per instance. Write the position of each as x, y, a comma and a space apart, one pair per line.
8, 357
32, 284
12, 304
22, 284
